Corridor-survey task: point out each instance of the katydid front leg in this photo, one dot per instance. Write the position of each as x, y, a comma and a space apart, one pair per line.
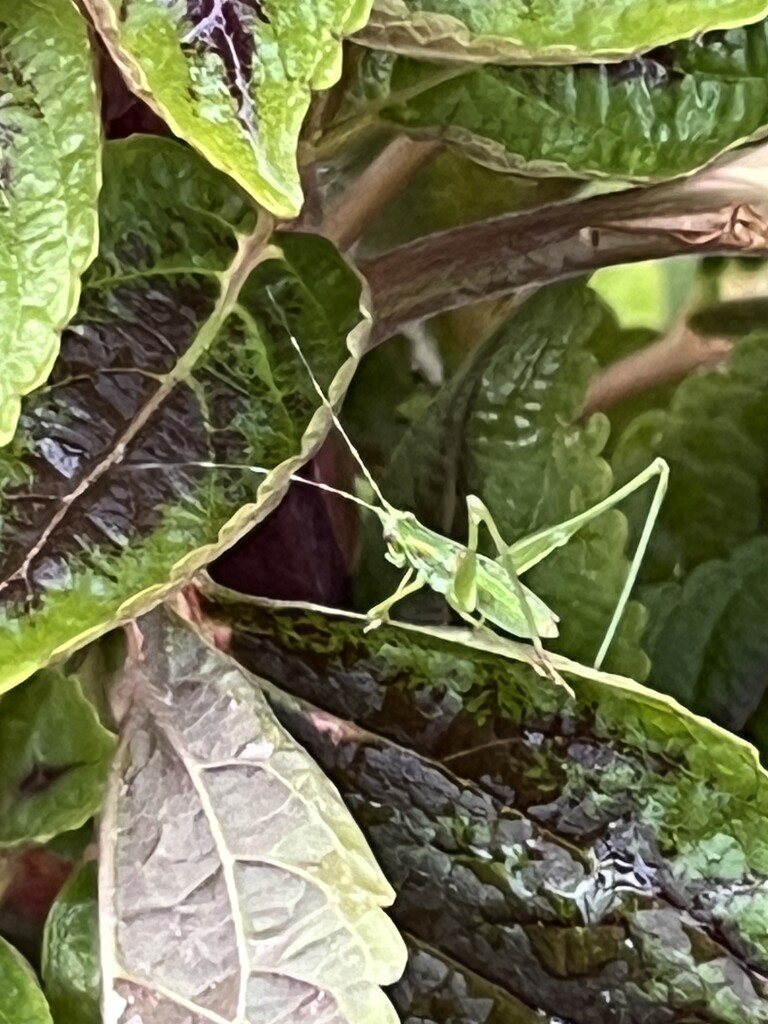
380, 612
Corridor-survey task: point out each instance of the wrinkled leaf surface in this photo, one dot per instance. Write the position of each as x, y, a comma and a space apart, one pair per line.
233, 77
235, 886
546, 31
713, 434
706, 637
707, 564
49, 181
131, 467
600, 858
645, 119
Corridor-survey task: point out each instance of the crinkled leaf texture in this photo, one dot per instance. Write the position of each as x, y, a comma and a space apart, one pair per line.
233, 77
131, 468
707, 638
49, 181
21, 1000
546, 31
54, 757
507, 428
713, 434
641, 120
707, 565
234, 883
71, 970
600, 857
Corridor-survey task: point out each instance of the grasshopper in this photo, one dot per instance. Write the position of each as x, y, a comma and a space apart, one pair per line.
482, 589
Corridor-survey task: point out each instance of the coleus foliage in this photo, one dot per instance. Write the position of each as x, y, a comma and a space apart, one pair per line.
234, 882
552, 33
565, 848
583, 121
233, 78
112, 490
49, 182
603, 852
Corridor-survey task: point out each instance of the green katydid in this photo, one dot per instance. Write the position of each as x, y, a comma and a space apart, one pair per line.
479, 588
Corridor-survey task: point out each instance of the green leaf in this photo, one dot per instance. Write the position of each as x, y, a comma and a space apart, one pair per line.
707, 563
71, 969
235, 83
535, 465
646, 119
707, 640
554, 31
235, 882
54, 756
542, 830
21, 1000
132, 468
507, 429
434, 980
713, 436
49, 181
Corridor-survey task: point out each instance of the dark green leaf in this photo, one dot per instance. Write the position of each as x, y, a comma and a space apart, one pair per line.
49, 181
507, 429
71, 969
713, 435
601, 857
131, 469
54, 756
233, 79
707, 640
435, 989
642, 120
708, 562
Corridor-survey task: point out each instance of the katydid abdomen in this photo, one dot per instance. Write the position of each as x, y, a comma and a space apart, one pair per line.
435, 559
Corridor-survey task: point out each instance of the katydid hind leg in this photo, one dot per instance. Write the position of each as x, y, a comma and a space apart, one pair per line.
540, 660
662, 470
529, 551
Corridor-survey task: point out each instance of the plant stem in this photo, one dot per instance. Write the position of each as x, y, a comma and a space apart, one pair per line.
492, 258
672, 357
379, 183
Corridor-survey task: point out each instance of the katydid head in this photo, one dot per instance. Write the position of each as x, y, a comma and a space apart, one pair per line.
392, 521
